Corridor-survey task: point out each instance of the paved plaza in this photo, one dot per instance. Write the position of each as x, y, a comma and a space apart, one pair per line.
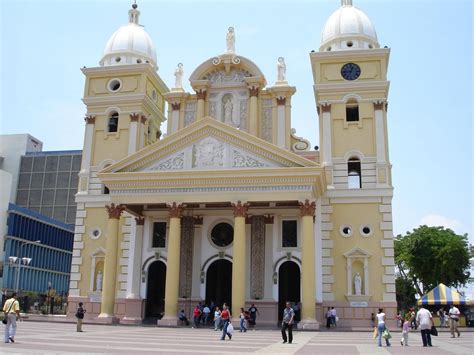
48, 338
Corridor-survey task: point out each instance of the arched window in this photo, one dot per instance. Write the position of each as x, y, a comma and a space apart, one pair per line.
113, 122
352, 111
354, 177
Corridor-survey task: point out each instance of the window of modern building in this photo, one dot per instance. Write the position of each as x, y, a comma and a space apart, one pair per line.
352, 111
289, 236
113, 122
159, 235
354, 177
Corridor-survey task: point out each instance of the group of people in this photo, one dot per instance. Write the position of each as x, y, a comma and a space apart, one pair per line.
412, 320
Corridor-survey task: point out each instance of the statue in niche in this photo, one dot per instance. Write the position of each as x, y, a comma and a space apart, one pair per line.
281, 69
358, 284
228, 108
230, 39
178, 73
98, 281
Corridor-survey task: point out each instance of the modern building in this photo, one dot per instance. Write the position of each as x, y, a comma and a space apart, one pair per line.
232, 206
38, 252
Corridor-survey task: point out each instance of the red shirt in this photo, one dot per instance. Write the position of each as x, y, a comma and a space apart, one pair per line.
197, 312
225, 314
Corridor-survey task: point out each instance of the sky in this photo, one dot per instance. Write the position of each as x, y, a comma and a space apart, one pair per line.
44, 44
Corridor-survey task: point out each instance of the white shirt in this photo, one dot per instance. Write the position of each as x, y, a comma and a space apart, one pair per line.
333, 312
206, 310
423, 318
454, 312
380, 318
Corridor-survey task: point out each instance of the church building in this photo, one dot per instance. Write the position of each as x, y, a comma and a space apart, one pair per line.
231, 206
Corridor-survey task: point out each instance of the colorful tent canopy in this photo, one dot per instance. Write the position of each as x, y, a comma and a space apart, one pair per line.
442, 295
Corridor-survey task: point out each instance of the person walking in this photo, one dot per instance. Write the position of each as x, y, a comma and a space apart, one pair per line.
454, 319
405, 330
80, 316
425, 321
381, 327
442, 319
217, 319
196, 315
243, 328
287, 323
11, 308
205, 311
225, 316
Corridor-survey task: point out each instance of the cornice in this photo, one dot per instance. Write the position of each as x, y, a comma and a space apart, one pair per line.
353, 54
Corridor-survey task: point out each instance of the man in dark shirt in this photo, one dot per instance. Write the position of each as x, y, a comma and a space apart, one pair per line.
287, 323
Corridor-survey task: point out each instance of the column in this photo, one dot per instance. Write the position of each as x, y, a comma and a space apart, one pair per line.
326, 149
176, 106
133, 133
366, 276
308, 299
253, 110
172, 268
281, 122
86, 154
201, 97
380, 131
239, 262
349, 275
110, 263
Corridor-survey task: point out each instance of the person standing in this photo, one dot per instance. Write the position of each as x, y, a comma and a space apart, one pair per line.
196, 315
334, 317
454, 319
425, 321
381, 327
328, 318
11, 308
205, 311
217, 319
253, 315
405, 330
287, 323
80, 316
442, 320
225, 316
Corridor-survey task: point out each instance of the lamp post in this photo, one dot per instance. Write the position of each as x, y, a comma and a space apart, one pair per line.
20, 261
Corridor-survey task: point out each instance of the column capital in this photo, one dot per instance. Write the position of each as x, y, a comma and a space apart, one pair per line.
198, 220
134, 117
143, 119
201, 94
281, 101
176, 106
325, 107
253, 91
240, 210
175, 210
307, 208
380, 104
140, 220
268, 219
89, 119
114, 211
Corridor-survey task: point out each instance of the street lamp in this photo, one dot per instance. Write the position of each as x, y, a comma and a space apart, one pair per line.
20, 261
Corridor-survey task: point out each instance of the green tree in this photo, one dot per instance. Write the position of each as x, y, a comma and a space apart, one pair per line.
405, 293
429, 256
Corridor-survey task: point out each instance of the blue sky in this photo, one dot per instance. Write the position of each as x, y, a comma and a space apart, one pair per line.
45, 43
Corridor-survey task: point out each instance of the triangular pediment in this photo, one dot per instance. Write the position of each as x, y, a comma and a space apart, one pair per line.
209, 145
357, 252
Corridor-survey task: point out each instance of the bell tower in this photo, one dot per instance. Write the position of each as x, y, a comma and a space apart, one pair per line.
351, 90
124, 100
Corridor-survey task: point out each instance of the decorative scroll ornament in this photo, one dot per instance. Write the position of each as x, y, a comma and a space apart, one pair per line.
89, 119
301, 143
140, 220
240, 210
114, 211
175, 210
307, 208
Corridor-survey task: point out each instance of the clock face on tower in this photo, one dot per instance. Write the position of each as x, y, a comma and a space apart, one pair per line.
350, 71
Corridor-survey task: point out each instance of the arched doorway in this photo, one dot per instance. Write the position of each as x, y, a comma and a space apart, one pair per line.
155, 294
219, 282
289, 285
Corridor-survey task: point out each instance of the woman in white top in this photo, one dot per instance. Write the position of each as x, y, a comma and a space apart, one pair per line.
217, 319
381, 326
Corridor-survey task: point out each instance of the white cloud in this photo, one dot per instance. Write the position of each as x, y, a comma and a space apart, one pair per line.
435, 220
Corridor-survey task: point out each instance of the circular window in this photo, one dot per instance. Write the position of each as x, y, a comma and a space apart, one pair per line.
350, 44
115, 85
371, 46
345, 230
329, 49
222, 234
366, 230
139, 61
95, 233
117, 59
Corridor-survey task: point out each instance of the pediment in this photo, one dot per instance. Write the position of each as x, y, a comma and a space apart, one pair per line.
357, 252
209, 145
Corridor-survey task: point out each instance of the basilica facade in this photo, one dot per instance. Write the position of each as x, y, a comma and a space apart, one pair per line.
231, 206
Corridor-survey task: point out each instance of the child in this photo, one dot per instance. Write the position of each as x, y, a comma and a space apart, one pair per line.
405, 330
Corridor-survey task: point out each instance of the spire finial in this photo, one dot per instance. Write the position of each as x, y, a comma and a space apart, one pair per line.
346, 2
133, 14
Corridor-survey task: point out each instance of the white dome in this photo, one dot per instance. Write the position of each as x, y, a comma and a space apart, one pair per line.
130, 44
348, 28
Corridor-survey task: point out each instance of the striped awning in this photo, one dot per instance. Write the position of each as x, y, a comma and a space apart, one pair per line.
442, 295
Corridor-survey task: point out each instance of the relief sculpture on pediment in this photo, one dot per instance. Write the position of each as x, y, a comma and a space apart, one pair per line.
208, 153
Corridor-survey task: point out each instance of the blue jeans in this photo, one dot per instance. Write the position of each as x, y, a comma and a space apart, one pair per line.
242, 325
224, 330
381, 328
